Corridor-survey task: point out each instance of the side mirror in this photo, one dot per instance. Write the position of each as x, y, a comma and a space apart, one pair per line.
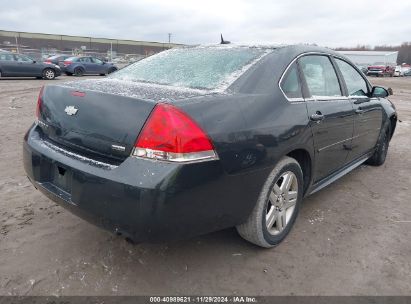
34, 61
381, 92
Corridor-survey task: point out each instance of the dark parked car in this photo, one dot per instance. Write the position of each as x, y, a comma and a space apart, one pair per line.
17, 65
57, 59
80, 66
198, 139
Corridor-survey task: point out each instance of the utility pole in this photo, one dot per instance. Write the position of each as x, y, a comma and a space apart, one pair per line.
111, 51
17, 44
169, 39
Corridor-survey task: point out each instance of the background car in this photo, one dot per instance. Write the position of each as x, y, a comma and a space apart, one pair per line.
380, 70
18, 65
57, 59
363, 68
80, 66
407, 73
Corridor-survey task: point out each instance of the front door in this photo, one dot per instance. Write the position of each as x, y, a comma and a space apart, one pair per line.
331, 114
26, 66
368, 118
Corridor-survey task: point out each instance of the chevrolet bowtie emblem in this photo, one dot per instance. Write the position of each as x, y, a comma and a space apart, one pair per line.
70, 110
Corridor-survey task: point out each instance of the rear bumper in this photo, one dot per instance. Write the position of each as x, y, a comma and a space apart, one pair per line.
142, 199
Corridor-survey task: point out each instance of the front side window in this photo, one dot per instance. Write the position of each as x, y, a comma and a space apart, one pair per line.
21, 58
290, 84
356, 85
320, 76
98, 61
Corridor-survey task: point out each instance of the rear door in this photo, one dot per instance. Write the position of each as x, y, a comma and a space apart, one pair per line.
8, 64
88, 65
331, 114
368, 117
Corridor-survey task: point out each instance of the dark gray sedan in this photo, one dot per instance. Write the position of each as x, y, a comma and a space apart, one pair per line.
198, 139
17, 65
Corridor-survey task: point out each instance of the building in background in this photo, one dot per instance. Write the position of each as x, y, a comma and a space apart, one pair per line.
41, 45
367, 58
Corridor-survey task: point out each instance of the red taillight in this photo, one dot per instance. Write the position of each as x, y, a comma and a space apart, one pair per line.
39, 103
170, 134
66, 62
47, 61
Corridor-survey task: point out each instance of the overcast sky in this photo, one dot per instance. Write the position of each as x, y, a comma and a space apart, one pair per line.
328, 23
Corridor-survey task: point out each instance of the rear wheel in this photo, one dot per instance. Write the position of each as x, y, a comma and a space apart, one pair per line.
78, 72
277, 206
49, 74
380, 154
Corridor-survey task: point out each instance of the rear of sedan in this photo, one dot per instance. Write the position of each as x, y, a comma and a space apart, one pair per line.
123, 153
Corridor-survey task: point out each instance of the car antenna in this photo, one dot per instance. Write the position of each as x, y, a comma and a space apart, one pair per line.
224, 41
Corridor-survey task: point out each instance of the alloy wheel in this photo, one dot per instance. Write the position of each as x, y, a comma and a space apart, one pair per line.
282, 202
49, 74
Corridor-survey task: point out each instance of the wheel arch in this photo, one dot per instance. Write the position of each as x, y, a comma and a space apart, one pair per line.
304, 159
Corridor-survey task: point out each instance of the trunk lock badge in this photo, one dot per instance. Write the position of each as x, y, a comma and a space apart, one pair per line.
71, 110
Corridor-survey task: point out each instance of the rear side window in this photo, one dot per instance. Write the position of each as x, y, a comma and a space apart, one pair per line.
290, 84
320, 76
6, 57
193, 67
356, 85
96, 60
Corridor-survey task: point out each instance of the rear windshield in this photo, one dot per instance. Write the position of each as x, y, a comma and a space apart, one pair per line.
71, 59
195, 67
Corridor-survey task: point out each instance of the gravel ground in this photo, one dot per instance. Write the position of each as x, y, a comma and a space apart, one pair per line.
353, 237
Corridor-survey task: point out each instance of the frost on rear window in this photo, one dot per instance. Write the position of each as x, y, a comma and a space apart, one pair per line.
193, 67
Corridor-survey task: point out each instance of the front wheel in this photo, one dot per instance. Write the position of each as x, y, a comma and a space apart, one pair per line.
277, 206
49, 74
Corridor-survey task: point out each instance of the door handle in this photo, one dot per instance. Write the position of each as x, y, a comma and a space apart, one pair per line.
317, 116
359, 111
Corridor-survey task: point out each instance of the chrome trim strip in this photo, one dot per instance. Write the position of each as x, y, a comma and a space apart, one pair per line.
333, 144
77, 156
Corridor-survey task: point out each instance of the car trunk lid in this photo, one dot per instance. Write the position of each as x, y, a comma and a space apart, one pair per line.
99, 119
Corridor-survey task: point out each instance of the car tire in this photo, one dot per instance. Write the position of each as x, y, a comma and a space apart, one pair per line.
112, 70
381, 150
102, 74
78, 72
49, 74
283, 187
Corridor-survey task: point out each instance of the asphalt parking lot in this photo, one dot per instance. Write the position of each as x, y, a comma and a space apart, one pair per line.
351, 238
